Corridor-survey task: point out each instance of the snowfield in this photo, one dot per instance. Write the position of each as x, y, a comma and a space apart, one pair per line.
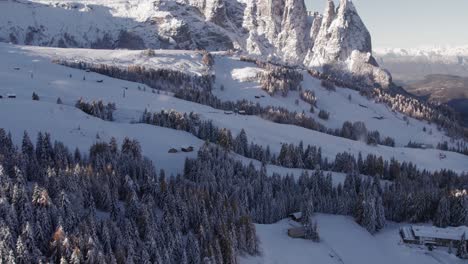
339, 236
36, 73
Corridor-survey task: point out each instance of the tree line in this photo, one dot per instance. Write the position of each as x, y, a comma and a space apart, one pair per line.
160, 78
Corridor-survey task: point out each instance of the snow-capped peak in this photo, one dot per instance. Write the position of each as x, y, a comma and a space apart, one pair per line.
279, 29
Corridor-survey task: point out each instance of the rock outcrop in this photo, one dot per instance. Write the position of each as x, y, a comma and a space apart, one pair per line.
343, 45
337, 42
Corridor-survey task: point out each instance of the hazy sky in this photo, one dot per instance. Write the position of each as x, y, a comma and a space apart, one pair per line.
411, 23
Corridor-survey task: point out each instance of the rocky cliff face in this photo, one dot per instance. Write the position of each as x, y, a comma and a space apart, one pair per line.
337, 41
343, 44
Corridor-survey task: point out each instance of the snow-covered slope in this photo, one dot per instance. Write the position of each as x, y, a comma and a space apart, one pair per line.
24, 70
229, 72
238, 81
277, 29
340, 237
51, 81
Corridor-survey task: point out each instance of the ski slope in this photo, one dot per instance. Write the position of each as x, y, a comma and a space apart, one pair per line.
340, 236
37, 74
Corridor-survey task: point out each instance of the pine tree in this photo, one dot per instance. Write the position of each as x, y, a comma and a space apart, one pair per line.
241, 143
225, 139
35, 97
380, 213
442, 216
461, 249
193, 249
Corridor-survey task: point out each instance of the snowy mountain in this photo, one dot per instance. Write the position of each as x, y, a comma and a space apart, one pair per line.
123, 140
280, 30
409, 65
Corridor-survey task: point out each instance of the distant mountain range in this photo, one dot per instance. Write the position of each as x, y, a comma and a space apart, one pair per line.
435, 74
408, 65
449, 89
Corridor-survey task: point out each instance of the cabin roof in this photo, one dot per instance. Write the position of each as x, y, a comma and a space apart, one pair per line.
452, 233
297, 215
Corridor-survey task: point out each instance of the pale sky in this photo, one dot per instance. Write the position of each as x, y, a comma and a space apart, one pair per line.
411, 23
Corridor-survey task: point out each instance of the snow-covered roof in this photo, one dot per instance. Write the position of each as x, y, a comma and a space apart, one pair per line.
452, 233
407, 233
297, 215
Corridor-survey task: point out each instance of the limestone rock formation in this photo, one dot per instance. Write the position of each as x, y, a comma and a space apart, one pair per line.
282, 30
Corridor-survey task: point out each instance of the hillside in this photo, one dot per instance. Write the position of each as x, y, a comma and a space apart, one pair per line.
27, 70
448, 89
52, 81
189, 131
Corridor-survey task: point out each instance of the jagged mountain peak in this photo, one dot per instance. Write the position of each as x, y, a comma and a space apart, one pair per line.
277, 29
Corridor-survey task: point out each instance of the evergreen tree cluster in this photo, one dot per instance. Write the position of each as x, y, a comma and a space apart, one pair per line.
461, 147
290, 155
207, 131
330, 86
358, 131
309, 97
110, 206
160, 78
413, 195
280, 79
281, 115
97, 109
270, 199
441, 115
324, 115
